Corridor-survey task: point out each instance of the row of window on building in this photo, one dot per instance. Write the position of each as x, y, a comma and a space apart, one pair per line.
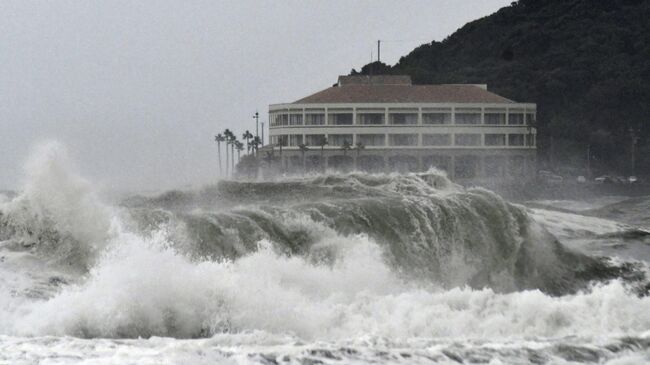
408, 139
431, 116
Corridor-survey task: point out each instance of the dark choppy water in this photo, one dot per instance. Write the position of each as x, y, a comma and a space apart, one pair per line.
328, 269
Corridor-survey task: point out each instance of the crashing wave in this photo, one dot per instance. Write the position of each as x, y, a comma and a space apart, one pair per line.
430, 228
319, 257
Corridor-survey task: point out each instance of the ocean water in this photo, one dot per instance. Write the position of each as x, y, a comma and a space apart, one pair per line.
330, 269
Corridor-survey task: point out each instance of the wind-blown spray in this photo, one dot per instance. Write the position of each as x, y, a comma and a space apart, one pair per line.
356, 263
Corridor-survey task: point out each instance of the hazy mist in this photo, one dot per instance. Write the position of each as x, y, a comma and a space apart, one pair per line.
136, 90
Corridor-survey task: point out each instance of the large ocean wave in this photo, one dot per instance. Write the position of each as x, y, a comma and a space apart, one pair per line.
318, 258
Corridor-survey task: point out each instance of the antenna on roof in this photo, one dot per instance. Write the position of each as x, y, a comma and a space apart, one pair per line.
378, 51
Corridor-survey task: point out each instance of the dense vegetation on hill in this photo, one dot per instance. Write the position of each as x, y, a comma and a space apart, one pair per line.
586, 63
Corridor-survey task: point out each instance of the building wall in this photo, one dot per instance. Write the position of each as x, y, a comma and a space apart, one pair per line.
491, 139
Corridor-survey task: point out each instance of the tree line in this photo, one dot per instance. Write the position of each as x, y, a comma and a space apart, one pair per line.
250, 163
232, 144
584, 62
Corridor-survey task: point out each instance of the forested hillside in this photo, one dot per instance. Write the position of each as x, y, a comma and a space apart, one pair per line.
586, 63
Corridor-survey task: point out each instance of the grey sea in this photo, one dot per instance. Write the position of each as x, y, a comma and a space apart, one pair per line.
328, 269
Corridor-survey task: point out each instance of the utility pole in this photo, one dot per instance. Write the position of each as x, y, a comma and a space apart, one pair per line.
378, 51
262, 133
257, 123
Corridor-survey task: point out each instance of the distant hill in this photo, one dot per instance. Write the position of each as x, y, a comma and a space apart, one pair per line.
586, 63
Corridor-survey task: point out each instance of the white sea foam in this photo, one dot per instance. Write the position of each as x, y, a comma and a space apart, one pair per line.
59, 209
55, 191
581, 205
141, 288
266, 302
264, 348
570, 225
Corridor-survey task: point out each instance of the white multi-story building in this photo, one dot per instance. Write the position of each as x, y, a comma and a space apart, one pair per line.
463, 129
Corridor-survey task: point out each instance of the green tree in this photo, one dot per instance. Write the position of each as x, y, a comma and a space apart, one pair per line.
247, 136
584, 62
228, 135
239, 146
219, 138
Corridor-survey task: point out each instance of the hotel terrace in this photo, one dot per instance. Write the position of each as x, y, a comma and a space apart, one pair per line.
463, 129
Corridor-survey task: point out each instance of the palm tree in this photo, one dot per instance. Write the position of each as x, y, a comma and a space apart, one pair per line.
239, 146
322, 143
219, 138
233, 142
229, 136
358, 147
247, 136
303, 149
226, 134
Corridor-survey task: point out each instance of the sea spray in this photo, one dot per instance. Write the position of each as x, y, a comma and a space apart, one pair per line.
451, 237
143, 288
58, 213
400, 268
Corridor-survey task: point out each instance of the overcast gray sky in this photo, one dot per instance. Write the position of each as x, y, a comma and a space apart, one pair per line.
136, 90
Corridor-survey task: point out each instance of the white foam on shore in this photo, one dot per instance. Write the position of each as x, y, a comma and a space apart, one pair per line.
142, 288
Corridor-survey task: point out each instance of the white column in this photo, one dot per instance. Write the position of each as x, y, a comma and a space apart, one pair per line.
327, 117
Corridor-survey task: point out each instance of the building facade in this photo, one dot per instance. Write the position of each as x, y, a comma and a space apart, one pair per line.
385, 123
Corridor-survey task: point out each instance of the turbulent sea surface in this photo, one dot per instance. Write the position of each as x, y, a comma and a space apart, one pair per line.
331, 269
